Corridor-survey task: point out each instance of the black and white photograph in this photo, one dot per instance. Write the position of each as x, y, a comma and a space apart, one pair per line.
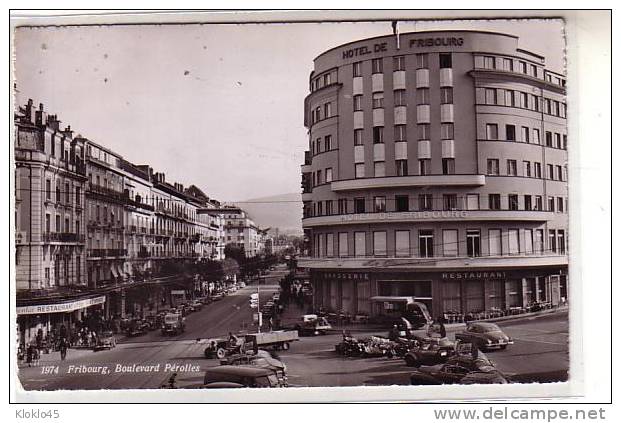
206, 205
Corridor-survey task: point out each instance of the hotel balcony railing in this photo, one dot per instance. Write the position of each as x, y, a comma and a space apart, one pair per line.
62, 237
107, 252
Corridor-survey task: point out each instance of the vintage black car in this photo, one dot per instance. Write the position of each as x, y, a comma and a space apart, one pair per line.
429, 351
262, 359
136, 327
484, 335
240, 376
105, 341
448, 374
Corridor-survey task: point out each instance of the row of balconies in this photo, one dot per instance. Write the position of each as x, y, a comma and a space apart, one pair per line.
62, 237
107, 252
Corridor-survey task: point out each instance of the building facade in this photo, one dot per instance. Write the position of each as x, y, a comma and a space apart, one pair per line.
242, 231
436, 169
98, 236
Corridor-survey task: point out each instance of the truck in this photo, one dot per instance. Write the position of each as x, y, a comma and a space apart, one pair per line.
311, 324
242, 344
174, 323
279, 339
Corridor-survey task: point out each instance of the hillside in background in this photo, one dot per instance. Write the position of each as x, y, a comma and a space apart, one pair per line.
282, 211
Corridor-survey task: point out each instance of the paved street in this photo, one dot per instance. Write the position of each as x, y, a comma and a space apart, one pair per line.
540, 353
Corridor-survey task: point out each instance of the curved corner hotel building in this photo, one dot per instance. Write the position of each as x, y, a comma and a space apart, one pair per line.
437, 169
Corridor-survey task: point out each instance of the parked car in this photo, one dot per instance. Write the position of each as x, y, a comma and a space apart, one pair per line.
484, 335
136, 327
197, 305
217, 296
151, 320
105, 341
221, 347
311, 324
240, 376
261, 359
174, 323
429, 351
444, 374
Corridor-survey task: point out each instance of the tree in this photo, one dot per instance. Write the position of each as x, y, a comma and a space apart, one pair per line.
230, 267
211, 270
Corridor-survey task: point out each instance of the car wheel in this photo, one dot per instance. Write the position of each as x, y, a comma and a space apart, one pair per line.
410, 361
220, 353
207, 353
503, 347
285, 346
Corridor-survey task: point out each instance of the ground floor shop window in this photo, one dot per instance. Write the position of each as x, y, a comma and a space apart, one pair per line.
514, 293
474, 295
451, 297
363, 293
496, 295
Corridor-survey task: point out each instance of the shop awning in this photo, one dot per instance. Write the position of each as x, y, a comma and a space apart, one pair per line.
61, 307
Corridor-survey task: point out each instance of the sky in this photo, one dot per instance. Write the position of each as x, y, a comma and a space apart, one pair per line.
219, 106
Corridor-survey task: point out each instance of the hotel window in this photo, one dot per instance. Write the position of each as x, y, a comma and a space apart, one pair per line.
398, 63
378, 100
449, 201
526, 169
318, 146
378, 134
552, 241
319, 177
525, 134
317, 113
343, 248
548, 106
424, 166
425, 243
379, 204
379, 169
48, 189
560, 205
538, 203
561, 241
342, 205
524, 100
422, 61
523, 67
422, 96
510, 132
67, 193
490, 96
559, 172
399, 97
359, 170
327, 79
58, 192
402, 167
357, 69
564, 142
510, 98
473, 243
400, 133
528, 202
359, 205
327, 110
402, 203
551, 203
447, 131
539, 248
402, 243
448, 166
513, 202
514, 241
494, 201
360, 244
358, 136
423, 131
425, 202
377, 65
77, 196
512, 167
528, 241
329, 175
548, 139
379, 243
491, 129
495, 242
328, 142
67, 226
329, 207
357, 103
493, 166
446, 95
507, 65
536, 139
557, 140
450, 243
472, 201
537, 169
47, 223
489, 62
550, 172
330, 245
446, 60
58, 227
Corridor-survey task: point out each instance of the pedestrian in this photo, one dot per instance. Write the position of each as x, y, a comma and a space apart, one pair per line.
29, 353
393, 335
442, 328
62, 346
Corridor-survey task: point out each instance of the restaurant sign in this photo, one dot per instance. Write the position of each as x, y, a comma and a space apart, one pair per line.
474, 275
61, 307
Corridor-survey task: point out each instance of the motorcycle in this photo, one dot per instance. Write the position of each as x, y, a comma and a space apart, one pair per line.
350, 347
